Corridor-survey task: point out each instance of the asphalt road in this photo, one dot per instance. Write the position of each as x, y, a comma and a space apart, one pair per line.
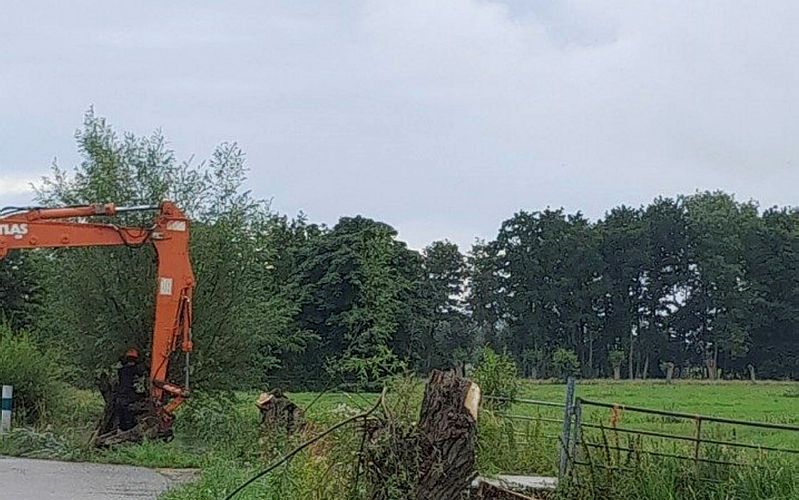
25, 479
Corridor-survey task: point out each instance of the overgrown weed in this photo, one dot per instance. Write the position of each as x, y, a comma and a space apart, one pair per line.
614, 473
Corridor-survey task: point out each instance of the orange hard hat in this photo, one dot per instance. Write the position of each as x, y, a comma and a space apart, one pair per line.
132, 353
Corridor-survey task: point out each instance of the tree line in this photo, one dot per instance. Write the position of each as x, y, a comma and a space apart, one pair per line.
700, 285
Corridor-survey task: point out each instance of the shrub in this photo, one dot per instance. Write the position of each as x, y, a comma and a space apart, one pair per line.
507, 446
616, 358
25, 442
566, 363
497, 375
222, 422
36, 374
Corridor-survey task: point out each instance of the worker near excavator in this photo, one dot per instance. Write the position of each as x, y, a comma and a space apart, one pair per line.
129, 375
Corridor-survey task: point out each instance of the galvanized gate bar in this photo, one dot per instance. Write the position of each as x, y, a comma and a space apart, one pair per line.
664, 454
693, 451
526, 401
666, 435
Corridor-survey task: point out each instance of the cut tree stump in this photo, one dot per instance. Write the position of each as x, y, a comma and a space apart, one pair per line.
279, 412
107, 432
447, 436
433, 458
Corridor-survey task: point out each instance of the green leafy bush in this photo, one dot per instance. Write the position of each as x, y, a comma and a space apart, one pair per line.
497, 376
36, 374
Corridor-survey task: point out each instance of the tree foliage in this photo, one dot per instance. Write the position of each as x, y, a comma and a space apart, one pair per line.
19, 290
704, 282
701, 281
99, 301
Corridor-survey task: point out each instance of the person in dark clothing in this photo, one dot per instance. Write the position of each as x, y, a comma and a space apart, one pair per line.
129, 374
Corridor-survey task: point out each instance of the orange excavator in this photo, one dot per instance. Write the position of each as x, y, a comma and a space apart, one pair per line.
70, 227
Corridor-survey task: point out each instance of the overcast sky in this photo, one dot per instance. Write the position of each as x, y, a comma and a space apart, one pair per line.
440, 117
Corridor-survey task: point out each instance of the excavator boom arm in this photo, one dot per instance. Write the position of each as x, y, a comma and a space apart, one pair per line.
68, 228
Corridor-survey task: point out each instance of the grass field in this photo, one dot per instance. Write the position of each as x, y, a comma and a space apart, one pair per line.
763, 401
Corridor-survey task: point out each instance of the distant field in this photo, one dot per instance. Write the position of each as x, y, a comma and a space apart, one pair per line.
764, 401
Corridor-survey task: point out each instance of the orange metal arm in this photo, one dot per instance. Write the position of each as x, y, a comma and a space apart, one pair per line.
47, 228
108, 209
173, 305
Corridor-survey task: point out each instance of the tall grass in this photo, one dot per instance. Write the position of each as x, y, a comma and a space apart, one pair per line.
607, 472
514, 447
220, 434
225, 429
671, 479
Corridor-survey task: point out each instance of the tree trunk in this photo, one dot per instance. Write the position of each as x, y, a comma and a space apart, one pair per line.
712, 364
712, 371
645, 372
109, 421
631, 367
752, 376
591, 357
669, 372
448, 434
617, 372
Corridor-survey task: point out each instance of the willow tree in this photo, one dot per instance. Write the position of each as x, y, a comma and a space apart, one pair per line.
98, 301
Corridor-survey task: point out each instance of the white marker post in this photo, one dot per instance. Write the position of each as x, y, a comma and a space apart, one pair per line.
5, 408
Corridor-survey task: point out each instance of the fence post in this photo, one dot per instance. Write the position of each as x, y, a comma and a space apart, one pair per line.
5, 408
565, 436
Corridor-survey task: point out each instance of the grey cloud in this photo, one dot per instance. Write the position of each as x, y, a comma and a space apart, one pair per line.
441, 118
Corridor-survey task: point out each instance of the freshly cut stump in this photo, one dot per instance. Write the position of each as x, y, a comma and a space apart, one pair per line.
433, 459
107, 432
279, 412
448, 434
